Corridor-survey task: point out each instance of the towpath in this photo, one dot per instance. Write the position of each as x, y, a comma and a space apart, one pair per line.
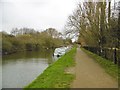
89, 74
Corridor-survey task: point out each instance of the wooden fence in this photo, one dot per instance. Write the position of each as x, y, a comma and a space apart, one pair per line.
112, 54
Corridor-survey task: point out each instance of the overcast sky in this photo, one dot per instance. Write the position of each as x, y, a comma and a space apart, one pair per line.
37, 14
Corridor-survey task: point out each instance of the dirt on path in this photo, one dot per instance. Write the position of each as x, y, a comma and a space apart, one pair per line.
89, 74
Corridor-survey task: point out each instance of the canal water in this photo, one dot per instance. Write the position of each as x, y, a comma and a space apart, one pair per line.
20, 69
0, 72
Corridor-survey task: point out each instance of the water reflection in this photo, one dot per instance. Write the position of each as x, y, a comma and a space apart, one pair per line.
0, 72
21, 68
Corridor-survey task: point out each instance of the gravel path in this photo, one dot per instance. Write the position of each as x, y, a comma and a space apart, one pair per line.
90, 74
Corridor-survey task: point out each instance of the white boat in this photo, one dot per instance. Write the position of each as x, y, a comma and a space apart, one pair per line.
61, 51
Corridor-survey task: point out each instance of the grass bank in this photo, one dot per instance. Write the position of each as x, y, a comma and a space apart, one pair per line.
109, 66
54, 76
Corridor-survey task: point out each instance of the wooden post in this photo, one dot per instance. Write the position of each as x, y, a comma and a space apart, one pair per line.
115, 56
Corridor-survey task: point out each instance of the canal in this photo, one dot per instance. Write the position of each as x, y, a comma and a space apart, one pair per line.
20, 69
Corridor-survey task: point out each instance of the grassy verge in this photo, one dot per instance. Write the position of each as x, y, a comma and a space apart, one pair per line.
109, 66
54, 76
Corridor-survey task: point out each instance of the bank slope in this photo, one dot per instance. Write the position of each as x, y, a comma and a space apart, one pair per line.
54, 76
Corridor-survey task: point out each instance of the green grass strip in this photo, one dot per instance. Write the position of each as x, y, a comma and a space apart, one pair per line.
108, 65
54, 76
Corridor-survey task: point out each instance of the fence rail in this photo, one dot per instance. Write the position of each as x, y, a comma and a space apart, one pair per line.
112, 54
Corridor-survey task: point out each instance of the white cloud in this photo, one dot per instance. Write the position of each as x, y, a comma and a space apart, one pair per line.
38, 14
0, 16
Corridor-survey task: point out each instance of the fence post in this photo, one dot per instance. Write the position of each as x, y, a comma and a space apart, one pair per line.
105, 53
115, 56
